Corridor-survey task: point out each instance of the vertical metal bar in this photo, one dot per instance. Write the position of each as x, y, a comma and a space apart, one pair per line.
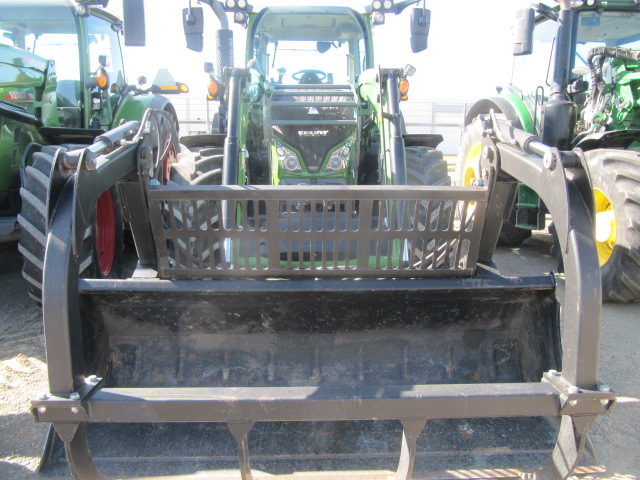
60, 308
272, 231
240, 432
411, 431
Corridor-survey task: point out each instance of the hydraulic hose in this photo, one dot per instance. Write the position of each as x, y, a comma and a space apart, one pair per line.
595, 68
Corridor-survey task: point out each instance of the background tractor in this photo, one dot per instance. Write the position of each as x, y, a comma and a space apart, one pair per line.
62, 85
575, 85
310, 293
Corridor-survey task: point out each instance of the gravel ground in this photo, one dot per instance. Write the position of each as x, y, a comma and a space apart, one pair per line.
23, 371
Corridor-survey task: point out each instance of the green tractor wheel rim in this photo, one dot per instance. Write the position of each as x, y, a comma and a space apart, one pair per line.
605, 226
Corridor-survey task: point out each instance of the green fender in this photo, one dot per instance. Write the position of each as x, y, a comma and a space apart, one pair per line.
134, 106
511, 105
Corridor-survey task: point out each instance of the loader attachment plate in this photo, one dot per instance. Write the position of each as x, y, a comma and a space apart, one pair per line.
305, 231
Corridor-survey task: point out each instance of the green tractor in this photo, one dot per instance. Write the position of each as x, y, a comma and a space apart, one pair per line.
310, 108
575, 84
62, 85
310, 294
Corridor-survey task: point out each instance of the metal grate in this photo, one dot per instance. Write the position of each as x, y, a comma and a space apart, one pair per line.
272, 231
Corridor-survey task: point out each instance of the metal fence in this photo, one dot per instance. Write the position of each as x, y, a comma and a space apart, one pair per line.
421, 116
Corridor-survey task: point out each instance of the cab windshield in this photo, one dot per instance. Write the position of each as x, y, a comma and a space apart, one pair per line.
608, 28
311, 47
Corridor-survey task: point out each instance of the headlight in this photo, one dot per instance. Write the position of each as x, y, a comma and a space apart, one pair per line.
388, 4
336, 163
287, 159
339, 158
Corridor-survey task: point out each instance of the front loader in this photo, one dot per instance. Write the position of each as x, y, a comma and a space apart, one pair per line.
308, 302
62, 84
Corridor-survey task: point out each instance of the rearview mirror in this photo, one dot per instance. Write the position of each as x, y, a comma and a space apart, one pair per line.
134, 32
523, 32
420, 21
193, 24
323, 46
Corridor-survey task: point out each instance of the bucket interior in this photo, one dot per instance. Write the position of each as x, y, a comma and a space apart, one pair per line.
282, 338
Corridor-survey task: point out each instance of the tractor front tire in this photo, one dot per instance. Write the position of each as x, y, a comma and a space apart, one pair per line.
425, 166
615, 177
101, 253
467, 169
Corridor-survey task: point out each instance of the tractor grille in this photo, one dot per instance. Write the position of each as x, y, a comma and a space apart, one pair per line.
300, 230
313, 119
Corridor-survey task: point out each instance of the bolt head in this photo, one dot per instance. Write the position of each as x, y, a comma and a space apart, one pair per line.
604, 388
75, 410
74, 396
93, 379
573, 389
549, 161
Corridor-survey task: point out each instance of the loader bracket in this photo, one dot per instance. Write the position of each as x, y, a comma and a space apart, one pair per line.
579, 401
69, 410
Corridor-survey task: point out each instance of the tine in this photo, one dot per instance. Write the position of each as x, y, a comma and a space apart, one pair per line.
76, 447
411, 431
240, 431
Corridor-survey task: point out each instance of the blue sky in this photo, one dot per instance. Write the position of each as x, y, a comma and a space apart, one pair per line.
469, 50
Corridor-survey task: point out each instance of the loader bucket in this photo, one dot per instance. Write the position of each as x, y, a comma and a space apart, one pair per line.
348, 341
249, 349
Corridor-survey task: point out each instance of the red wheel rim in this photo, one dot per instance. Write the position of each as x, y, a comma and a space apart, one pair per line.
105, 233
167, 161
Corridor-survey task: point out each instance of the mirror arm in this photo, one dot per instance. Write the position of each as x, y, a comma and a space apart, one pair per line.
407, 3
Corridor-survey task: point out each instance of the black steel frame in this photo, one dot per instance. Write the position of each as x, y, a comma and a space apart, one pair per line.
74, 400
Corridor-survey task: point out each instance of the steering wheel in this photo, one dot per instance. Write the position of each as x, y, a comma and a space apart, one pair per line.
303, 75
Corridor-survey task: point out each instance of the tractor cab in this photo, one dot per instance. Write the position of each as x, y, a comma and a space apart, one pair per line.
310, 46
88, 68
308, 60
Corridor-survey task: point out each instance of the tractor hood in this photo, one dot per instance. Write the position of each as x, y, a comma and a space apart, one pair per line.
21, 73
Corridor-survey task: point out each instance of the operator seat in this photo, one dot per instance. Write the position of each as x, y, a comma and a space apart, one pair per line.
309, 78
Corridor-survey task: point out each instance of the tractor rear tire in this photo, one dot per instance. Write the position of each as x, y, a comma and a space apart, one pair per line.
467, 169
101, 255
615, 176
